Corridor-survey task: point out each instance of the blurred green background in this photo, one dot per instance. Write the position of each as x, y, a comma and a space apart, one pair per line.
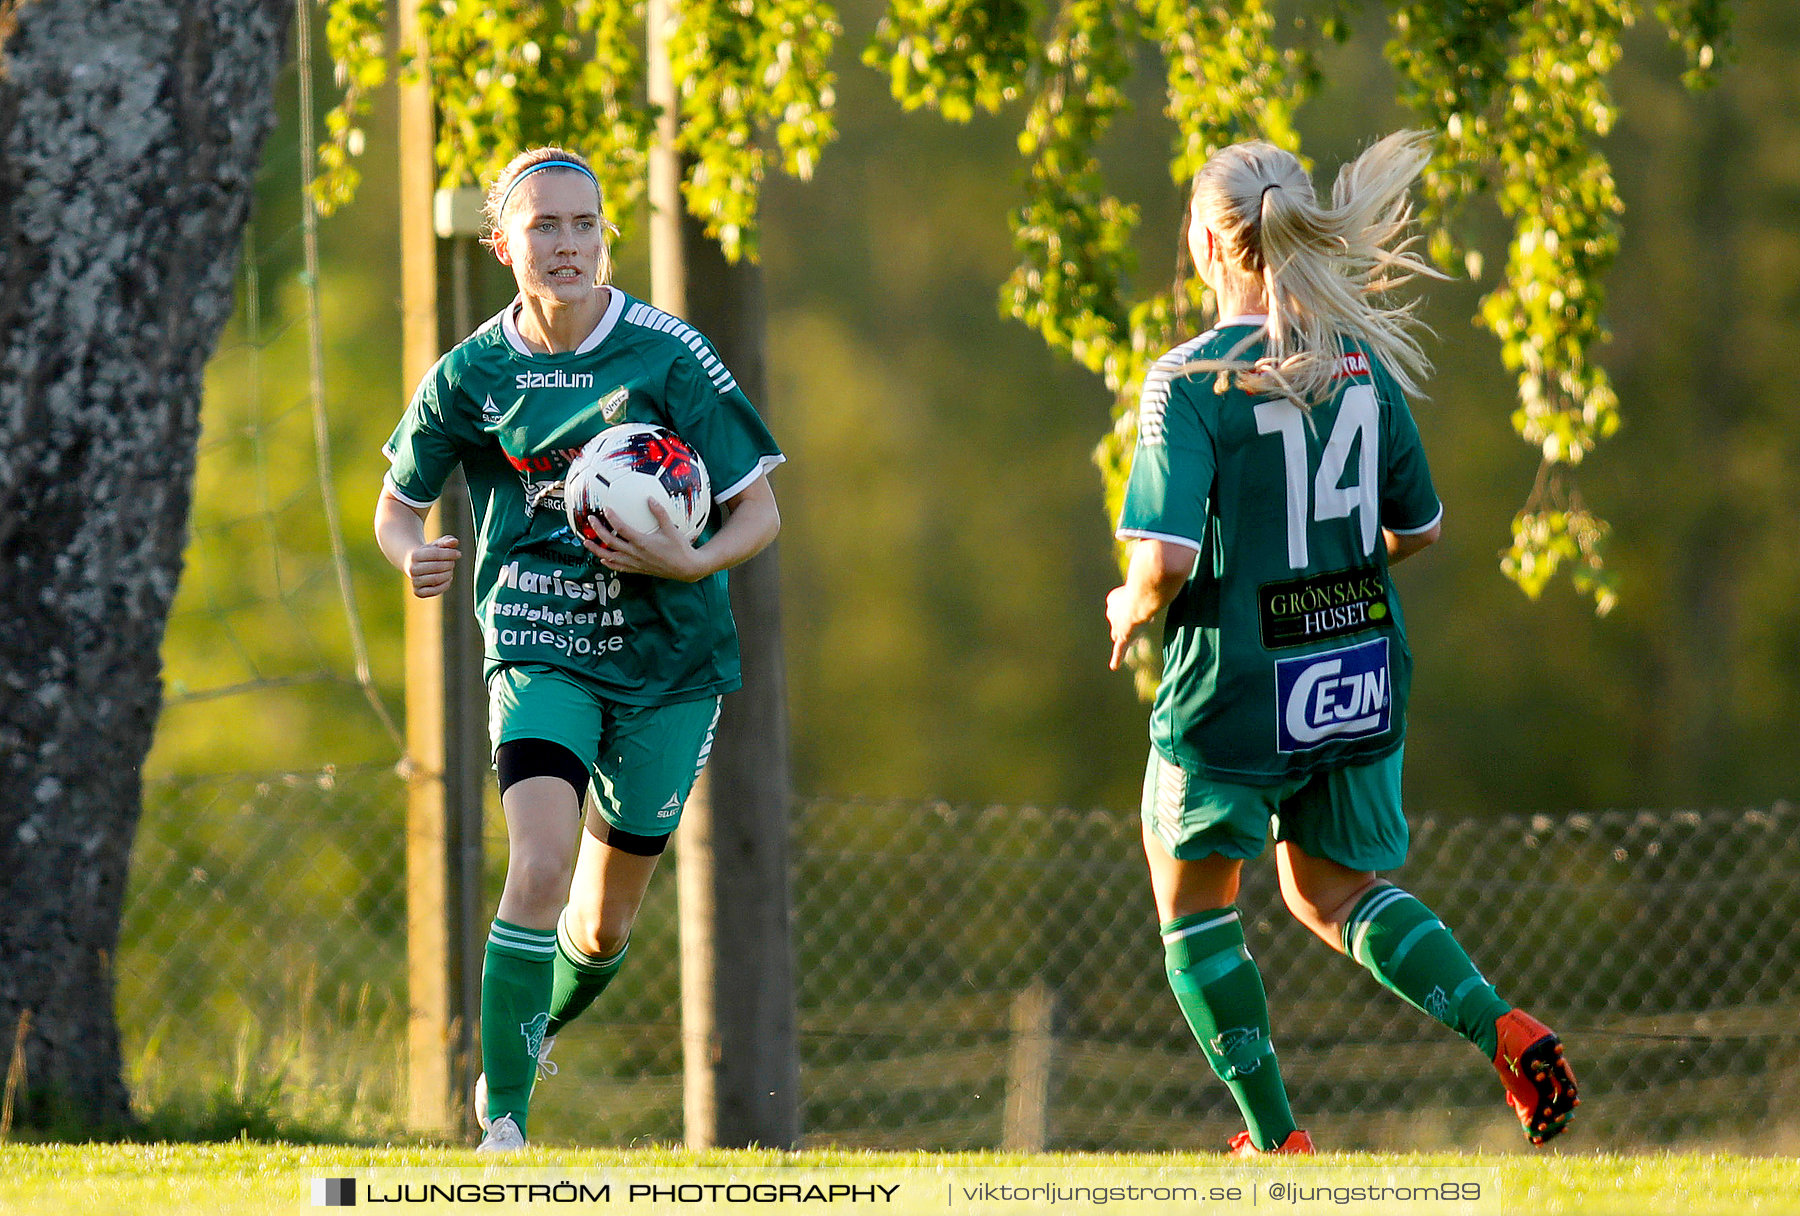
944, 553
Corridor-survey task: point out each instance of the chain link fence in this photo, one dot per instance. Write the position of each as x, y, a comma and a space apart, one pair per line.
263, 950
988, 978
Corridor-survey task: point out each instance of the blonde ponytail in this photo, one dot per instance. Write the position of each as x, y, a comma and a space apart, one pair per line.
1321, 270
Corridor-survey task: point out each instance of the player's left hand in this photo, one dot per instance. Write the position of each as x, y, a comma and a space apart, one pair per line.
660, 554
1122, 617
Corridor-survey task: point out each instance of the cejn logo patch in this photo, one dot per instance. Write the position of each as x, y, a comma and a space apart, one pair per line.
1340, 694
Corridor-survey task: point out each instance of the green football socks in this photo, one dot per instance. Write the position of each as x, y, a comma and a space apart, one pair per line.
577, 978
1408, 949
1220, 992
515, 997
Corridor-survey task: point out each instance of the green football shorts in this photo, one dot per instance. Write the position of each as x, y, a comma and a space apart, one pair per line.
644, 757
1349, 815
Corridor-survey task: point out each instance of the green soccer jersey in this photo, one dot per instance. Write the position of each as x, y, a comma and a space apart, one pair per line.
1285, 653
514, 420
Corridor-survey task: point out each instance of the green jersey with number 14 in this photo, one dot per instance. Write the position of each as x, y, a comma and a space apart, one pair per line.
514, 419
1285, 653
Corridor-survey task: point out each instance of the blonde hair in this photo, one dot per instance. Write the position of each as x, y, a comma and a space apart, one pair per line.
494, 203
1321, 269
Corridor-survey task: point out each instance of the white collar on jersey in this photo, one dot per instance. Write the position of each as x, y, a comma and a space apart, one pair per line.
615, 308
1246, 319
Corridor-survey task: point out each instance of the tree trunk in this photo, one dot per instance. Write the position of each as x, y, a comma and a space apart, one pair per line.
732, 850
738, 1020
130, 134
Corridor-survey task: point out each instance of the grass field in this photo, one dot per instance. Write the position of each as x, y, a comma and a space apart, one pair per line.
245, 1178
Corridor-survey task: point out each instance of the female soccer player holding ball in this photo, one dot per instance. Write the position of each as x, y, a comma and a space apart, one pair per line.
603, 661
1278, 474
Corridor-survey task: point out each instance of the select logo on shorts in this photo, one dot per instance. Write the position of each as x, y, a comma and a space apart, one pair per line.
334, 1192
1323, 606
1341, 694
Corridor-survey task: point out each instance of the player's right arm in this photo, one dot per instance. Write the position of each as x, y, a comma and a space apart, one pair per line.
400, 533
1157, 573
1164, 516
425, 447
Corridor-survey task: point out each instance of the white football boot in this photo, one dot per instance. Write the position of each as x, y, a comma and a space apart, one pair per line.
503, 1136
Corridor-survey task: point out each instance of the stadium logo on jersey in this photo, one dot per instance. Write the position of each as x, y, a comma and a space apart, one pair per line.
555, 379
1321, 606
1341, 694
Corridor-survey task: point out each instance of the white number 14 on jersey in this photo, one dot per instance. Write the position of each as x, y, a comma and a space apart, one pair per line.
1358, 416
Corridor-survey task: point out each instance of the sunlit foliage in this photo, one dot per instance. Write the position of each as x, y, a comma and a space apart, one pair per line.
1516, 94
511, 74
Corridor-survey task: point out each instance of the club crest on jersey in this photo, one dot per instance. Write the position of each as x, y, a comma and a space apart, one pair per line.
612, 406
1340, 694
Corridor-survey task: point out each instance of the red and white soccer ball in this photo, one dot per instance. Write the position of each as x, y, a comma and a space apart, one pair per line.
624, 467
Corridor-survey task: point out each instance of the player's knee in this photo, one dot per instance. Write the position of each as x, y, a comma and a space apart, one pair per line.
1307, 913
609, 941
539, 879
1323, 906
598, 936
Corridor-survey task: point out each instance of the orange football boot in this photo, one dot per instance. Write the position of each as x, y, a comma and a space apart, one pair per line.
1298, 1142
1540, 1085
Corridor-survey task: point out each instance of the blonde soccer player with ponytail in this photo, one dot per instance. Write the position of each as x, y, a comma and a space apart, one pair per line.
1278, 474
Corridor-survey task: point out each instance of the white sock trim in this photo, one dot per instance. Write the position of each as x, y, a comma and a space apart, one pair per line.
530, 941
1202, 927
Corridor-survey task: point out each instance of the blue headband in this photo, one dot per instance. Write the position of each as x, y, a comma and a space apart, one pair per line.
542, 164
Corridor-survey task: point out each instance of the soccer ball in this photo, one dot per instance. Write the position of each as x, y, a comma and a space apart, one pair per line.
624, 467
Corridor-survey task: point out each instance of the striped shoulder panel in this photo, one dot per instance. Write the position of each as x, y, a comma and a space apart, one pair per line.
1155, 398
647, 316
